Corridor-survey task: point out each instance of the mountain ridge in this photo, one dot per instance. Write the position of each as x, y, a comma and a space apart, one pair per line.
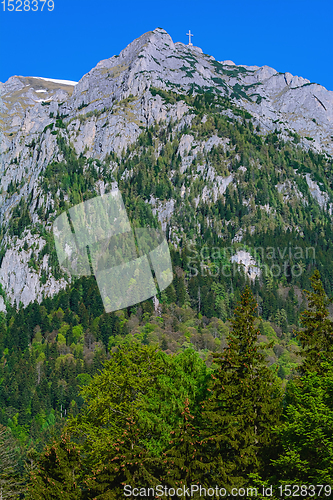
153, 81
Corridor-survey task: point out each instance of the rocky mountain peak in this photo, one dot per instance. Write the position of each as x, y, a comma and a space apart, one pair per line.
152, 58
108, 109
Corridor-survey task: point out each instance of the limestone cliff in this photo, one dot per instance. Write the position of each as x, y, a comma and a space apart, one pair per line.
107, 110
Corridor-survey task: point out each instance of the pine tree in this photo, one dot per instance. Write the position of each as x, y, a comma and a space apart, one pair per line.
317, 337
244, 404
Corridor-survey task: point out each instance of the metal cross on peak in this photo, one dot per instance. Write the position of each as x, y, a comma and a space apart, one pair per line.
189, 34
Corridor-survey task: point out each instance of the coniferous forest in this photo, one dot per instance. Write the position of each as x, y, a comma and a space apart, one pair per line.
226, 383
91, 402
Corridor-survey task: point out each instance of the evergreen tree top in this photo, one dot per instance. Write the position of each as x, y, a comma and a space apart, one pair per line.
242, 350
317, 335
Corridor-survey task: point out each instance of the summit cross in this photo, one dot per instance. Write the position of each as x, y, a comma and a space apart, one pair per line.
189, 34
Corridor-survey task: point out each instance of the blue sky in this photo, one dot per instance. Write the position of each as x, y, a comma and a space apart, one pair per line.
292, 35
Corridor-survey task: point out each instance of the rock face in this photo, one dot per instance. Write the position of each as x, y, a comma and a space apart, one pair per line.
245, 259
106, 111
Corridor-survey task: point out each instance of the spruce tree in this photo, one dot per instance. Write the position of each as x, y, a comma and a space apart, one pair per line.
127, 462
244, 404
306, 432
317, 336
305, 435
183, 463
58, 472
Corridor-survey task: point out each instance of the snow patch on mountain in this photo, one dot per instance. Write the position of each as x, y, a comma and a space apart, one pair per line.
54, 80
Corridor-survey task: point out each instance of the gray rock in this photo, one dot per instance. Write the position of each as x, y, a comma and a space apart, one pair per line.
107, 110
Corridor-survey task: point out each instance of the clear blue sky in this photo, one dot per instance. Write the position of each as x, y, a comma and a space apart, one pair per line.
289, 35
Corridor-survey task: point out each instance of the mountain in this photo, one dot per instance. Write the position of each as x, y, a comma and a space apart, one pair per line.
233, 162
214, 152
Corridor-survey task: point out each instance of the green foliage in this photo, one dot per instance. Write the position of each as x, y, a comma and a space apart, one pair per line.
57, 473
50, 126
50, 350
306, 431
317, 336
126, 462
245, 402
60, 124
77, 332
20, 218
10, 482
32, 144
183, 462
113, 396
12, 187
75, 177
239, 93
149, 418
183, 378
83, 105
